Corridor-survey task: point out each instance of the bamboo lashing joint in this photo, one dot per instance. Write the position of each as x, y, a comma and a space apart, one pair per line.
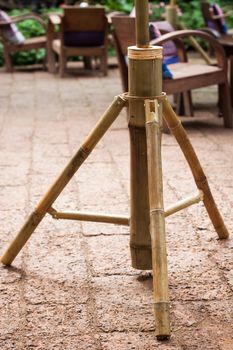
129, 97
148, 53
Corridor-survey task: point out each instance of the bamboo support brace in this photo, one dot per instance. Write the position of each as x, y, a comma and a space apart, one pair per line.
94, 217
42, 208
178, 131
185, 203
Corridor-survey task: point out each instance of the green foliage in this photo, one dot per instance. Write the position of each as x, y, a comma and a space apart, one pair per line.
120, 5
191, 14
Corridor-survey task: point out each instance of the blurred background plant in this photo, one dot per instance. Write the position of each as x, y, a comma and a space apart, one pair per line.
190, 16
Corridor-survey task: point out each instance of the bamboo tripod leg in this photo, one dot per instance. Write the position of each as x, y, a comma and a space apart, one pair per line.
35, 218
178, 131
157, 220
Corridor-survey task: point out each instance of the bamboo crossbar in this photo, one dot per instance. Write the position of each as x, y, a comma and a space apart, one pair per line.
184, 203
94, 217
121, 219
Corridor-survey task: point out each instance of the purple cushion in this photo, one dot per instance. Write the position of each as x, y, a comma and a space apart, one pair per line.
169, 48
218, 12
221, 21
83, 38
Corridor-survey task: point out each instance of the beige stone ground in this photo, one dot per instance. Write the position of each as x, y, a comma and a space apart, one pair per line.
72, 286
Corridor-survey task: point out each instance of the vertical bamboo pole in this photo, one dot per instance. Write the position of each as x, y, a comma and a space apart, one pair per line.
142, 20
157, 219
171, 14
178, 131
143, 68
54, 191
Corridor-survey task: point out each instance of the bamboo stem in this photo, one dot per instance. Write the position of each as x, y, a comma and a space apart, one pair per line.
144, 65
157, 219
173, 2
94, 217
142, 20
34, 219
178, 131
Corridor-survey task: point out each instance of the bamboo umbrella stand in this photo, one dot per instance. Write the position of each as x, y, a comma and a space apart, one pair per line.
146, 104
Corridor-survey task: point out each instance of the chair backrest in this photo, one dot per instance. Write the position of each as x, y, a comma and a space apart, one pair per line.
89, 18
124, 32
84, 26
124, 28
207, 13
124, 36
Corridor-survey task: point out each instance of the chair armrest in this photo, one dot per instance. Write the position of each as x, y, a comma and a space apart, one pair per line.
17, 19
113, 14
179, 34
181, 52
55, 19
211, 31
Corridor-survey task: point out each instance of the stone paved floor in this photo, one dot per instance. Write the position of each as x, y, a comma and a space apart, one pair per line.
72, 286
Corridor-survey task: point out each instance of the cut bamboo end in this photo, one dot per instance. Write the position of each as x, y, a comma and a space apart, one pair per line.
222, 231
141, 257
147, 53
161, 310
21, 239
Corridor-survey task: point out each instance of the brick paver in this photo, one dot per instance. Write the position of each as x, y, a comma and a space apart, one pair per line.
72, 286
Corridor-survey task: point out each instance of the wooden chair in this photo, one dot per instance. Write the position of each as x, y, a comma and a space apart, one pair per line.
186, 76
213, 21
225, 39
29, 44
83, 32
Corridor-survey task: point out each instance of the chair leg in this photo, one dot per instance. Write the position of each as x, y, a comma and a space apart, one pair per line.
225, 104
87, 62
8, 62
231, 77
184, 104
104, 63
62, 65
51, 59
